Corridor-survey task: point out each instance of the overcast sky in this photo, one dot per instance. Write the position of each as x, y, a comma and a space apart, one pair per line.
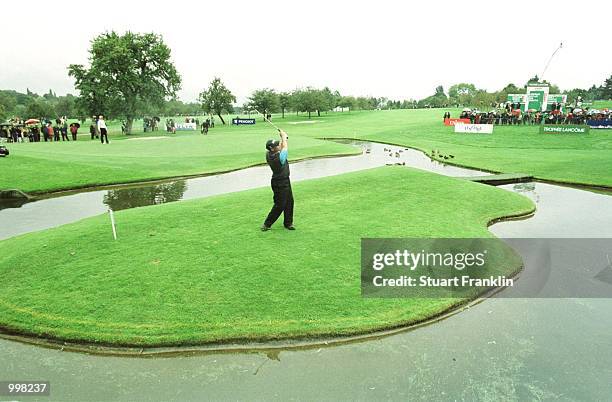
396, 49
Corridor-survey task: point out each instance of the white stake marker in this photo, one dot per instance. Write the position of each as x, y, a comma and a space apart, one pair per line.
112, 217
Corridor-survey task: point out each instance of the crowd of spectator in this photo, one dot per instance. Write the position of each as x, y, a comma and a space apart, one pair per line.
511, 114
37, 130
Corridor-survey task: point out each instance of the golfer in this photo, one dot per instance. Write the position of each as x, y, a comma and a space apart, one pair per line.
281, 185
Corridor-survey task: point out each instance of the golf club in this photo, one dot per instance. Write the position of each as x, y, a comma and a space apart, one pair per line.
266, 119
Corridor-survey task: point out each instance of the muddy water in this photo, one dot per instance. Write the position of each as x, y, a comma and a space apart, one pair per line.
510, 349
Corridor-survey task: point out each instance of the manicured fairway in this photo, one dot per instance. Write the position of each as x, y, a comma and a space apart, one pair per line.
200, 271
572, 158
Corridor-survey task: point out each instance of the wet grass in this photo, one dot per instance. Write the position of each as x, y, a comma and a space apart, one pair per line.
572, 158
200, 271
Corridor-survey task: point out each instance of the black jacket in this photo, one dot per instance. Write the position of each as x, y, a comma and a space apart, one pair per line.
280, 172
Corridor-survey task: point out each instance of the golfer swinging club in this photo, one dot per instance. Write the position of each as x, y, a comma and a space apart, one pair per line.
281, 185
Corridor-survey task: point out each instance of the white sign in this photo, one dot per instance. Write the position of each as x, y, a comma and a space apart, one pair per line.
474, 128
186, 127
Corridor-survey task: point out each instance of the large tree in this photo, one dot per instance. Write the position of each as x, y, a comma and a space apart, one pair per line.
217, 98
264, 100
128, 74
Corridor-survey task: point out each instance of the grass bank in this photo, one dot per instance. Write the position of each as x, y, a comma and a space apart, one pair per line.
200, 271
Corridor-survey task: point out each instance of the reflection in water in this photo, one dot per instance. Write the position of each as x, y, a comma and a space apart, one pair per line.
147, 195
12, 203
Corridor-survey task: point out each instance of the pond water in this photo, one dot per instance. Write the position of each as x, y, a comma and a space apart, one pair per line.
502, 348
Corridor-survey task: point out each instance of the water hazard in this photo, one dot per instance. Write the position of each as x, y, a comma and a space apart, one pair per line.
510, 349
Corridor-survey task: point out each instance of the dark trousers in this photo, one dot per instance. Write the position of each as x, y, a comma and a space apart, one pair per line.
103, 135
283, 203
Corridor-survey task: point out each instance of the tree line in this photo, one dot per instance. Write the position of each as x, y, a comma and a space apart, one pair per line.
132, 75
467, 94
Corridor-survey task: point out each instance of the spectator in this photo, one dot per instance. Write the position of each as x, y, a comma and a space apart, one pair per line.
102, 129
74, 128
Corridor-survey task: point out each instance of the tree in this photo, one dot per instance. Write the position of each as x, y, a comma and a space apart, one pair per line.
606, 90
37, 108
284, 101
329, 100
533, 80
65, 106
462, 93
173, 107
127, 74
439, 99
7, 103
306, 100
364, 103
217, 99
483, 99
264, 100
348, 102
502, 96
50, 95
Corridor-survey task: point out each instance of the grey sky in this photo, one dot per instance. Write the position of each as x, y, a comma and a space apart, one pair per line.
395, 49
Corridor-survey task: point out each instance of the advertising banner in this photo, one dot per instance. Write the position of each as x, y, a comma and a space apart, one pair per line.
537, 97
600, 123
516, 98
452, 122
563, 129
186, 127
558, 99
474, 128
242, 121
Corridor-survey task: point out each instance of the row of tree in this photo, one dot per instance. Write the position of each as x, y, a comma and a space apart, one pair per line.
30, 104
308, 100
467, 94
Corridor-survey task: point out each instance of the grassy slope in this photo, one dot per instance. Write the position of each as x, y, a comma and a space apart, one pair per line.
200, 271
571, 158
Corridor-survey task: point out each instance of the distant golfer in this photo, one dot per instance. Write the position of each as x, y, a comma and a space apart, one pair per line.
281, 185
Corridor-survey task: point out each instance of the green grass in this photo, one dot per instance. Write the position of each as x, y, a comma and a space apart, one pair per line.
602, 104
585, 159
40, 167
200, 271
